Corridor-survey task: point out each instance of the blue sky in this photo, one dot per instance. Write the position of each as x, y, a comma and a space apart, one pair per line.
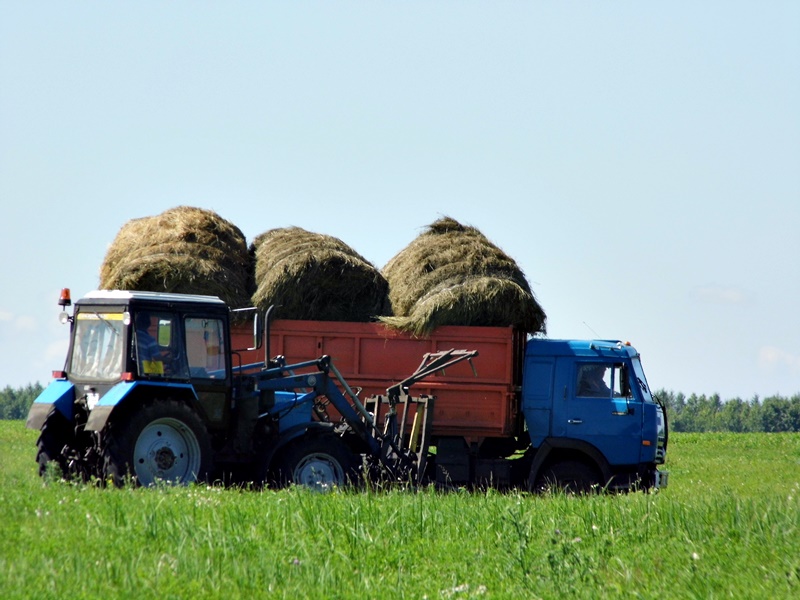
639, 160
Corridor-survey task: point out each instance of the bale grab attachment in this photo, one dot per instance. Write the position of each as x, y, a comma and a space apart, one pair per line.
403, 454
398, 453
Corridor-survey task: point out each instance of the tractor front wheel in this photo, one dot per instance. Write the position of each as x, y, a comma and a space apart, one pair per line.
164, 441
318, 463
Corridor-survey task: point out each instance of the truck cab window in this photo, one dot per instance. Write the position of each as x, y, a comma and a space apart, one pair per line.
603, 380
205, 348
594, 380
621, 383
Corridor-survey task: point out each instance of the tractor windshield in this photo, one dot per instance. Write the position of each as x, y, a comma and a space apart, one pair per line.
97, 346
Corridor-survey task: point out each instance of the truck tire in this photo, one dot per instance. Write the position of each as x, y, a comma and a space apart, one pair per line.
570, 477
319, 463
55, 434
164, 441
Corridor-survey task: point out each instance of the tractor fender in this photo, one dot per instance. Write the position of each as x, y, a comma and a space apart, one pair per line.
58, 395
552, 447
121, 395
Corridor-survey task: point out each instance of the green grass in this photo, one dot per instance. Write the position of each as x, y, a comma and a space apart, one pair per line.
728, 526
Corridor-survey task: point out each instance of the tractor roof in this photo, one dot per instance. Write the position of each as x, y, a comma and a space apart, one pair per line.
105, 296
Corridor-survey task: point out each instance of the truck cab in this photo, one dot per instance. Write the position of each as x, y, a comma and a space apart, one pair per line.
587, 403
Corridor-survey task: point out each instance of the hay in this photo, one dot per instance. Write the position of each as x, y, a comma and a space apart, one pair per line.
452, 274
185, 250
315, 276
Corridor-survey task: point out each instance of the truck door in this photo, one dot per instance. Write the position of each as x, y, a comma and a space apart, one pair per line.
598, 407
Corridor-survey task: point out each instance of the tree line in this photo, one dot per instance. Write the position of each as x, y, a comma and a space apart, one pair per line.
685, 413
14, 403
709, 413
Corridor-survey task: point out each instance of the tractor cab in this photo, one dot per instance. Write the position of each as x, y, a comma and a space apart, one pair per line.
121, 340
129, 335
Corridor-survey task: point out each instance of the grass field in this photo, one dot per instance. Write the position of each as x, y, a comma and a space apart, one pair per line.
727, 527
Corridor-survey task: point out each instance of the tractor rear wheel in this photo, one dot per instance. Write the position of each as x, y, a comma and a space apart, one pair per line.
164, 441
56, 433
318, 463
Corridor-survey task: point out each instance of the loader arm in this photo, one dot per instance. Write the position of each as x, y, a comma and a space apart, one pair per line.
386, 445
431, 363
322, 382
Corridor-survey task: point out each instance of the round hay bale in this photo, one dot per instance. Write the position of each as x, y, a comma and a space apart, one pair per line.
310, 275
451, 274
185, 250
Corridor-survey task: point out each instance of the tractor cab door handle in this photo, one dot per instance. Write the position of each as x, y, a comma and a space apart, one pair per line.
575, 421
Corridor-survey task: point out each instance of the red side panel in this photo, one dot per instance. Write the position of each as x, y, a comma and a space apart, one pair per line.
373, 357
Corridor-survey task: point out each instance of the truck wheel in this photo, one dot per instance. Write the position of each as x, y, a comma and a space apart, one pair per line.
569, 476
163, 441
55, 434
319, 463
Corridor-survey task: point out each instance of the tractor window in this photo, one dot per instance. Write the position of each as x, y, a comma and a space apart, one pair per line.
205, 348
97, 346
156, 345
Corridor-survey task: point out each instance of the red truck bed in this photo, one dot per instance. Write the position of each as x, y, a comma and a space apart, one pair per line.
372, 357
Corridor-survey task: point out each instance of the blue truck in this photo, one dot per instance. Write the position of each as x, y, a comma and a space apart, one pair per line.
182, 388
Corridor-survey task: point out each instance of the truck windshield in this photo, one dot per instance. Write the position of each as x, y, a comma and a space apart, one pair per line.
641, 380
97, 346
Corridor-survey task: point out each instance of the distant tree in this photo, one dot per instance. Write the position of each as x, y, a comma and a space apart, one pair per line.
794, 412
776, 415
733, 416
696, 415
15, 403
754, 424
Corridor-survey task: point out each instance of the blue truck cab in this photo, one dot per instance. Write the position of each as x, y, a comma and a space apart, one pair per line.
591, 416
